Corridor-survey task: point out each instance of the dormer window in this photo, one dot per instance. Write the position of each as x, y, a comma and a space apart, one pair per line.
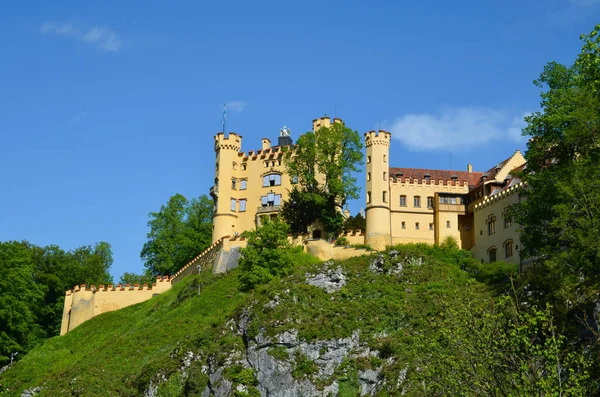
428, 177
454, 177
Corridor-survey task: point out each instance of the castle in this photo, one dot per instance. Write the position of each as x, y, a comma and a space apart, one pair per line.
403, 205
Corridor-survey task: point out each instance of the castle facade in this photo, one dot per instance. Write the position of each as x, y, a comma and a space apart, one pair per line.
403, 205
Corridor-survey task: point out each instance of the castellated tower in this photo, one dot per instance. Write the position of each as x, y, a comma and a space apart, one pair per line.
226, 148
378, 233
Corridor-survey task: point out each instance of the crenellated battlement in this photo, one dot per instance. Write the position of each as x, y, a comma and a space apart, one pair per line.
84, 301
401, 182
231, 142
118, 287
380, 137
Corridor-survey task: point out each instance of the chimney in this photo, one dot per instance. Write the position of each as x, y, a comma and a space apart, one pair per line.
469, 168
266, 143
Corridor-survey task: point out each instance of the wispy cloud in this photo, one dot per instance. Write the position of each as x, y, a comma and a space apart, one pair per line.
76, 118
456, 128
103, 38
236, 106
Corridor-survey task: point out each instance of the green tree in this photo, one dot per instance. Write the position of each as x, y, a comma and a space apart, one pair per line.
560, 215
355, 222
178, 232
266, 255
133, 278
324, 162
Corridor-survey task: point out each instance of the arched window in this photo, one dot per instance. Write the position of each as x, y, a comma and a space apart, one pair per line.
491, 224
271, 180
492, 254
508, 248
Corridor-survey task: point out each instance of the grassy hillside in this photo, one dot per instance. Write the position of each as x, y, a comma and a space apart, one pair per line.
414, 311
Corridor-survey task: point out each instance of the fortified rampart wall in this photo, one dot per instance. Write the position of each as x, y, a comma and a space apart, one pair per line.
87, 301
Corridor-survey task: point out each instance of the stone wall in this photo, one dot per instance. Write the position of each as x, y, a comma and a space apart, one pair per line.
87, 301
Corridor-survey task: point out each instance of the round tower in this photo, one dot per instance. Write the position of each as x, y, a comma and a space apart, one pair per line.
224, 218
378, 233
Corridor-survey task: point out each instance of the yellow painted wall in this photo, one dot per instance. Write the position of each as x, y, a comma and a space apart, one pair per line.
85, 302
496, 205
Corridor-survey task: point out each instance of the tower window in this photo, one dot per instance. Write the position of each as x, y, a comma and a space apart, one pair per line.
242, 205
270, 200
368, 176
385, 158
384, 197
385, 176
243, 184
233, 202
233, 184
368, 159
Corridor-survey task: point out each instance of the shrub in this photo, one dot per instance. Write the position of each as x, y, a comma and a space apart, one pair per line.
266, 256
342, 241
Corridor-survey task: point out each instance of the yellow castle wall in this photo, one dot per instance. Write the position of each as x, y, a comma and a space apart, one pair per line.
84, 302
495, 206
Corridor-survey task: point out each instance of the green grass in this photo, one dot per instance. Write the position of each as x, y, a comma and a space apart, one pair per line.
122, 352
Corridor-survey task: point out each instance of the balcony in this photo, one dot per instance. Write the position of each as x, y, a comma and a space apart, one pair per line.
214, 191
268, 208
451, 208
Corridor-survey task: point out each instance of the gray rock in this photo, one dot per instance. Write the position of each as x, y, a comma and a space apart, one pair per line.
329, 280
31, 392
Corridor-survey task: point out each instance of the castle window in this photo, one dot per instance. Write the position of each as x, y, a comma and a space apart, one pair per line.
233, 202
368, 159
368, 197
402, 201
242, 205
492, 254
244, 167
417, 202
429, 202
385, 176
270, 200
448, 224
431, 226
506, 215
416, 225
233, 184
403, 225
508, 248
243, 184
272, 180
278, 162
384, 197
385, 158
491, 225
368, 176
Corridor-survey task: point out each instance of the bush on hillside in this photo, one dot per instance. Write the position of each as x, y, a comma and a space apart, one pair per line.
266, 256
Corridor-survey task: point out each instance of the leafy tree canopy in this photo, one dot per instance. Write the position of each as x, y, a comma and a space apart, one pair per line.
560, 215
266, 255
33, 286
324, 162
178, 232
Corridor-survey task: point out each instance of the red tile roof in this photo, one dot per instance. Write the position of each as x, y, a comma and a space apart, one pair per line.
472, 178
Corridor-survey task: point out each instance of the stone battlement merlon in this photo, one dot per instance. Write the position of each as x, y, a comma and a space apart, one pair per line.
441, 182
380, 137
117, 287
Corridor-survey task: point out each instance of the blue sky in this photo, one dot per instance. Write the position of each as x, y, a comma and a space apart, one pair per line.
109, 108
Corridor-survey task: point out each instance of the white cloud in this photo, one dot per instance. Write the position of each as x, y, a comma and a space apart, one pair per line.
103, 38
456, 128
236, 106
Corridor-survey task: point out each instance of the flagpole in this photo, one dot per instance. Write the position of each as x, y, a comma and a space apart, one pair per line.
224, 117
